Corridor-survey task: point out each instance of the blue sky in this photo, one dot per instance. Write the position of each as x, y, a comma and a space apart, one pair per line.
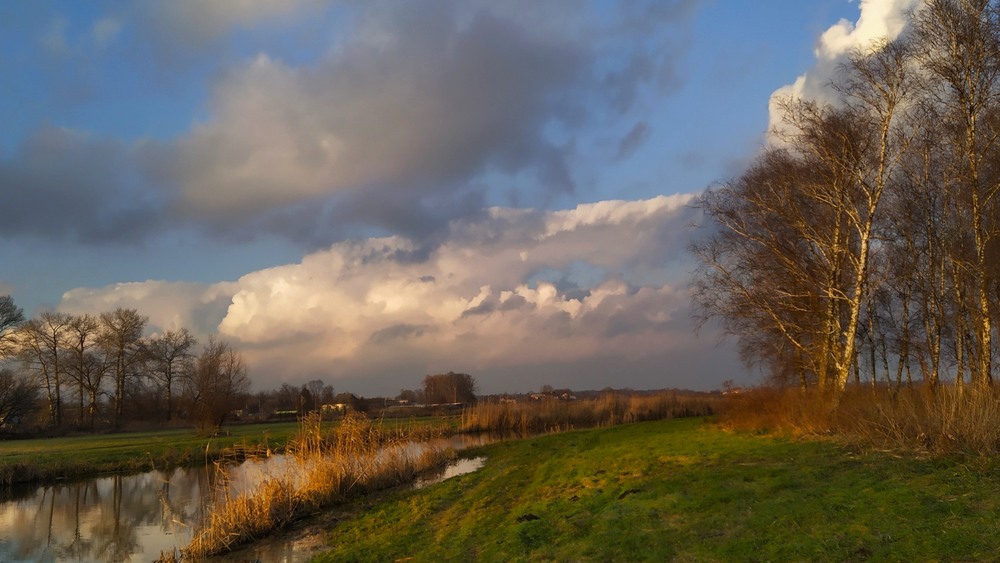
286, 174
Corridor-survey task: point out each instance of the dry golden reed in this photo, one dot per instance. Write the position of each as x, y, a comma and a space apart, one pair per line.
321, 470
553, 415
941, 420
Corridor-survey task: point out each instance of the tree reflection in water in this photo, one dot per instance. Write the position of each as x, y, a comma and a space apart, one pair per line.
115, 518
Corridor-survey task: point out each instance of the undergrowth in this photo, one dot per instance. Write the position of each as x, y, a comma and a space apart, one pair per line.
558, 415
941, 420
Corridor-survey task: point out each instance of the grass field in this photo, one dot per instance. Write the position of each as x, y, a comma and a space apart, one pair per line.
48, 459
684, 490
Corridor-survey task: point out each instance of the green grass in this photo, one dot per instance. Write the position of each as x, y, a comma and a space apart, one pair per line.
48, 459
684, 490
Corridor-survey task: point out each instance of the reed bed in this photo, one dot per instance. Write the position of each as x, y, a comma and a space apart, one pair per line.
553, 415
941, 420
320, 469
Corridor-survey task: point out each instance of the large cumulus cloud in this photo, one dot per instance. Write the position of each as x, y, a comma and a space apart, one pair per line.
510, 295
879, 20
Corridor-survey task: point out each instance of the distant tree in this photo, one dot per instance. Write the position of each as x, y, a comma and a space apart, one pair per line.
547, 389
170, 358
449, 387
86, 367
219, 384
326, 397
42, 346
120, 339
10, 317
315, 388
306, 402
407, 395
286, 398
18, 400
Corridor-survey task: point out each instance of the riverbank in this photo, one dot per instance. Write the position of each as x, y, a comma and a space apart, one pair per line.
48, 460
688, 490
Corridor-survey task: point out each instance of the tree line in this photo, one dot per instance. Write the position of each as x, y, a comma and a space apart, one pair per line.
864, 243
92, 371
85, 372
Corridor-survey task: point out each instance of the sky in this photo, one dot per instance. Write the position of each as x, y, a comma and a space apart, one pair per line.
369, 192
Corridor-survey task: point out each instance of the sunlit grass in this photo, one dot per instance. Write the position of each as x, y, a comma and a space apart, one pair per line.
689, 491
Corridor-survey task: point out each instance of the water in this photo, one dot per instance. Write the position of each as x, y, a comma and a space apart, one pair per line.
123, 518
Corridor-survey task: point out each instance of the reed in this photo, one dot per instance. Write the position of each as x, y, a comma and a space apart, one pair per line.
939, 420
321, 469
554, 415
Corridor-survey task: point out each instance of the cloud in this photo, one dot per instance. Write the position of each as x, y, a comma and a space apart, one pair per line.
428, 104
105, 30
169, 305
53, 39
502, 294
632, 140
402, 118
196, 23
66, 185
399, 125
878, 19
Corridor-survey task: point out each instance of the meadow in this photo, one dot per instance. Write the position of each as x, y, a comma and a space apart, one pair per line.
50, 459
684, 490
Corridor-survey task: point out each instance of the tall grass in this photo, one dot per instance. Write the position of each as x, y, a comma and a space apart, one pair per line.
941, 420
557, 415
320, 469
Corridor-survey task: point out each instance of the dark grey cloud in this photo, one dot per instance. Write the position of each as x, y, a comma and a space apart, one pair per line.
398, 332
398, 126
632, 140
417, 115
64, 185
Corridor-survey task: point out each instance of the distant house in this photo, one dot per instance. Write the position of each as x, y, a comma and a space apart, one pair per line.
333, 408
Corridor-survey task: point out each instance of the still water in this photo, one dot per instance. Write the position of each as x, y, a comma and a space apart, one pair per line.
135, 517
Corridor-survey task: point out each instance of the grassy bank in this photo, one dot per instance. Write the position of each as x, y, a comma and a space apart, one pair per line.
684, 490
50, 459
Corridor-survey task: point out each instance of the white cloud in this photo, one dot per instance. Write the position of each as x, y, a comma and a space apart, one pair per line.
105, 30
198, 21
53, 39
505, 294
878, 19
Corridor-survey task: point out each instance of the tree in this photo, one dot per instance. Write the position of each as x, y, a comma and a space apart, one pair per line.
43, 346
170, 358
86, 367
120, 339
219, 383
18, 400
958, 44
788, 271
11, 316
315, 388
449, 387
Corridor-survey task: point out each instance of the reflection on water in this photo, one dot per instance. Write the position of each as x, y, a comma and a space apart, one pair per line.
116, 518
453, 469
135, 517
